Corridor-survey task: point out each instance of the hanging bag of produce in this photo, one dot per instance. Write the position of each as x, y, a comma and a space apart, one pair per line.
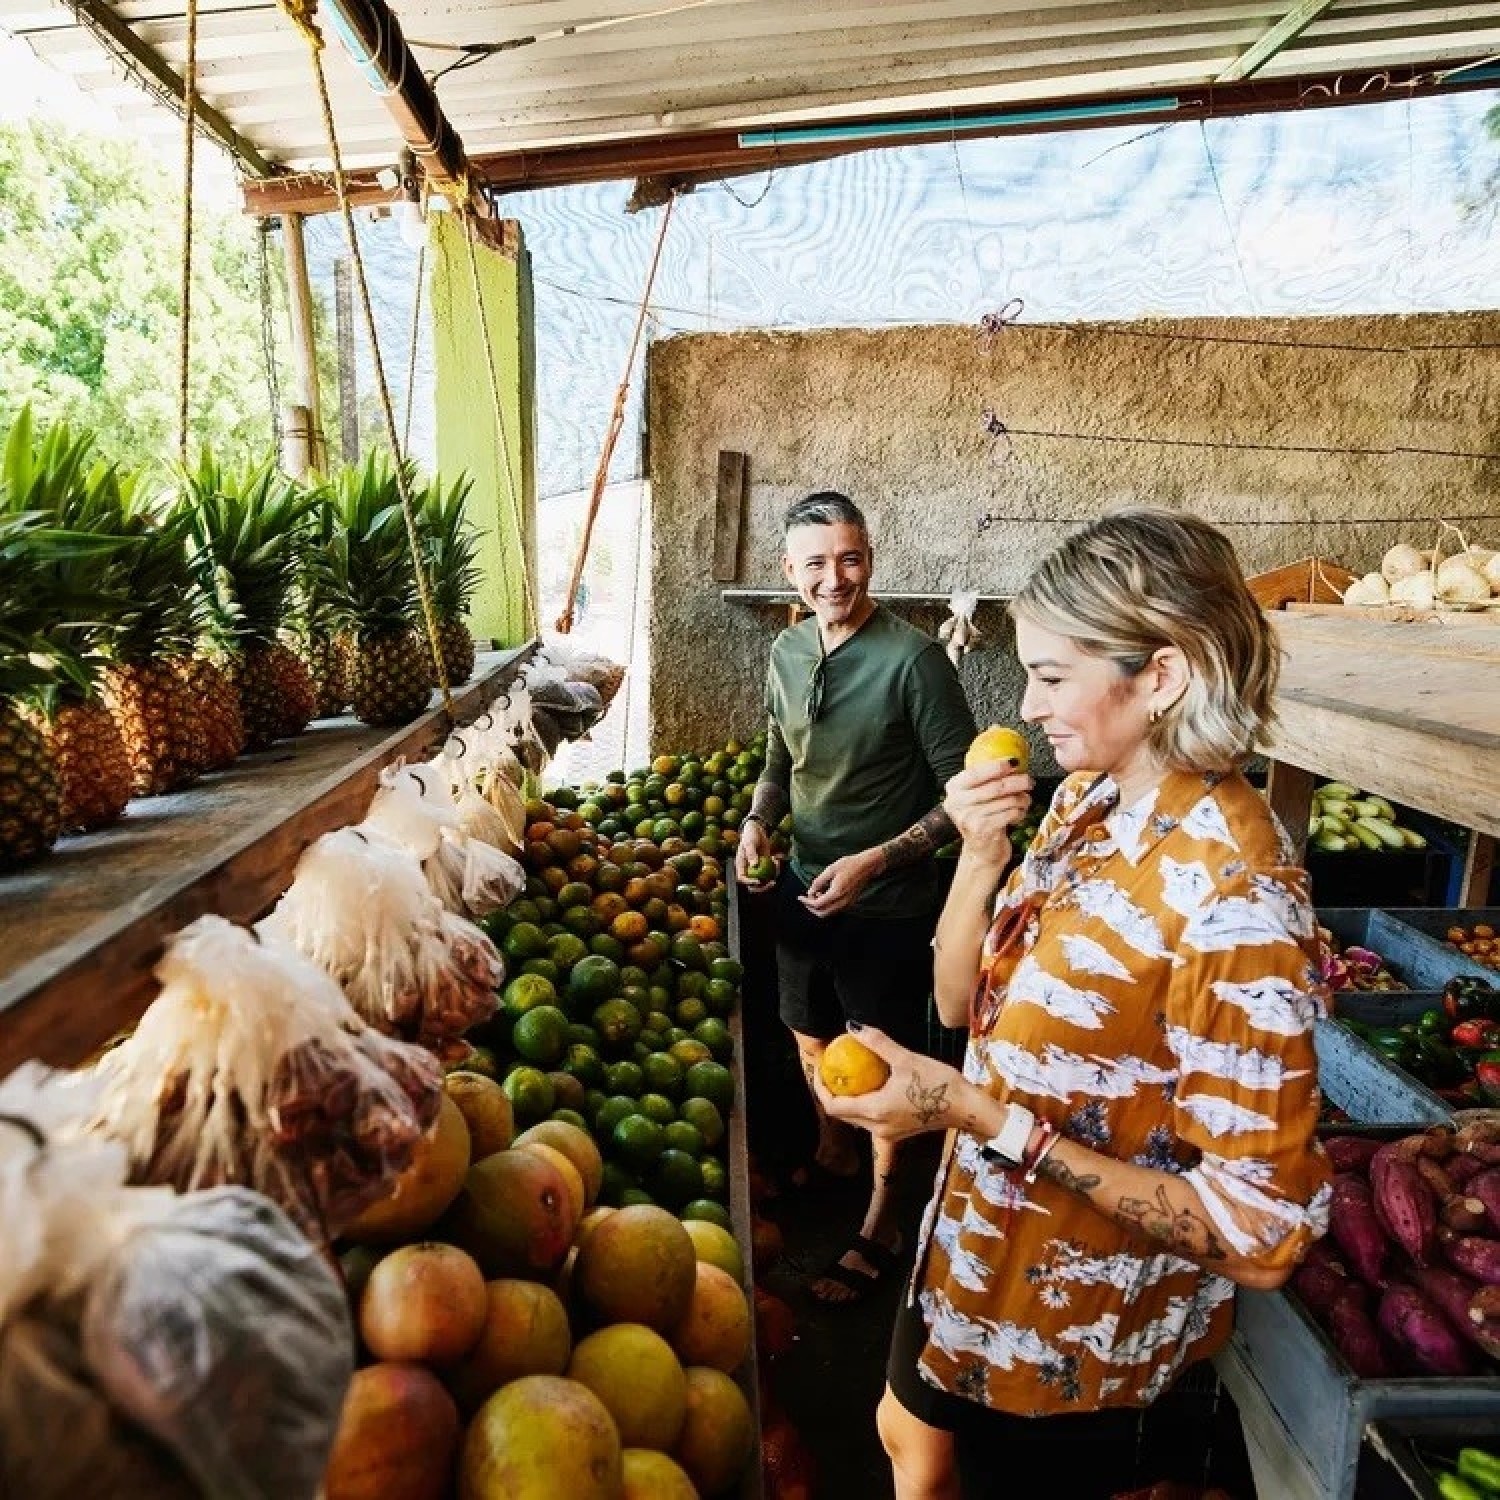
251, 1067
360, 907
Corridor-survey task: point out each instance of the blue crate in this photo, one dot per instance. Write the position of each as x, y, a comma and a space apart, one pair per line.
1411, 951
1367, 1085
1321, 1403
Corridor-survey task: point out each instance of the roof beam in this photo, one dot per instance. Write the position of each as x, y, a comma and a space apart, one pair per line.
687, 157
1273, 39
100, 21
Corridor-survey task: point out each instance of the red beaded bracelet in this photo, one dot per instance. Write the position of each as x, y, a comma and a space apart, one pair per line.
1050, 1138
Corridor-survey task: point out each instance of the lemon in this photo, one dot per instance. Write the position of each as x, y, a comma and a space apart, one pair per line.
998, 743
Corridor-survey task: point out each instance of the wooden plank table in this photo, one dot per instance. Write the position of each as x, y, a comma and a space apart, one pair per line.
1407, 710
81, 930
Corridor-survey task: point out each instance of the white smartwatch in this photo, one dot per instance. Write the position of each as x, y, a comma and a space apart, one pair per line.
1007, 1147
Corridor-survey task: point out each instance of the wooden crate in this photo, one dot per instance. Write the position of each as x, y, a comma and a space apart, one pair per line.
1367, 1085
1413, 954
1430, 923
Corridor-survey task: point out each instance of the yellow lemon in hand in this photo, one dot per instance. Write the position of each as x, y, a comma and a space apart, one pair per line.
849, 1067
998, 743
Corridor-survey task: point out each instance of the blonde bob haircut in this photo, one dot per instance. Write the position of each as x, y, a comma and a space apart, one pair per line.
1138, 579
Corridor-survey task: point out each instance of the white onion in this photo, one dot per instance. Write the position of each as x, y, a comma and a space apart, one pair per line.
1417, 589
1369, 590
1460, 582
1402, 561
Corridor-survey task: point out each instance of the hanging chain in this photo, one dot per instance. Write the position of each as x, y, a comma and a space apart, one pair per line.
185, 292
301, 12
268, 333
533, 616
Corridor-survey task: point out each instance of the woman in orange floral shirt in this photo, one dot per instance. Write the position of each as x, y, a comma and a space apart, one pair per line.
1132, 1135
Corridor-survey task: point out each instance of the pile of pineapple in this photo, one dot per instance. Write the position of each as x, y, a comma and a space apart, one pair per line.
151, 632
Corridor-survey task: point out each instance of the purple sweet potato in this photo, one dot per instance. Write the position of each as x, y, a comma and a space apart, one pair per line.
1485, 1186
1356, 1230
1356, 1337
1350, 1153
1325, 1252
1405, 1205
1472, 1254
1462, 1170
1320, 1286
1453, 1294
1484, 1319
1435, 1175
1424, 1340
1481, 1139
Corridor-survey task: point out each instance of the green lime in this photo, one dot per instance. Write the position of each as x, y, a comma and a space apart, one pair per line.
687, 951
676, 1179
593, 1102
714, 1035
496, 924
541, 1035
688, 1050
663, 1074
715, 1179
720, 996
640, 1051
682, 1136
525, 910
574, 893
637, 1142
569, 1117
705, 1115
633, 974
624, 1077
527, 991
593, 979
639, 996
618, 1023
546, 913
530, 1093
692, 985
657, 1107
658, 1021
652, 1041
544, 967
524, 940
566, 949
706, 1208
691, 1013
711, 1081
636, 1195
661, 997
580, 921
609, 1114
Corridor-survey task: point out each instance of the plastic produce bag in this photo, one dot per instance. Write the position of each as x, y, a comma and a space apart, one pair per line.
599, 672
251, 1067
222, 1332
360, 907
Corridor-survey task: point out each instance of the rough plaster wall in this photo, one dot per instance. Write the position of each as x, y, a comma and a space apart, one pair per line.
893, 419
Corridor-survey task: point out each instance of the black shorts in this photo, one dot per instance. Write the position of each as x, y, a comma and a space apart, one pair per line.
1191, 1434
844, 967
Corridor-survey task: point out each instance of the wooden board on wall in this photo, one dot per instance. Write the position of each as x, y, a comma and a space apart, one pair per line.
729, 513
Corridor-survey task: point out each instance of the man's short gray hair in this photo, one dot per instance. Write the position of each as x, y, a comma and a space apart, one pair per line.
824, 508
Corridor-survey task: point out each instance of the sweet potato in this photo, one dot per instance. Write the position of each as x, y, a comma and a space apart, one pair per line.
1319, 1287
1423, 1338
1435, 1175
1325, 1252
1356, 1337
1350, 1153
1480, 1138
1472, 1254
1464, 1214
1462, 1170
1484, 1319
1485, 1186
1453, 1294
1356, 1230
1404, 1204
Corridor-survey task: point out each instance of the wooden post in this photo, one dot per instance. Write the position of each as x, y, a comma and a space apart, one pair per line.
343, 317
1289, 790
1479, 865
304, 339
729, 513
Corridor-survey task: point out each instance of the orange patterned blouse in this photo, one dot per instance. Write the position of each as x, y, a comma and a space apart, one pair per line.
1148, 987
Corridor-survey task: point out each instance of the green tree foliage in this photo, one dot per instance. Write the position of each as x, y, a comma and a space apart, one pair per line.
89, 278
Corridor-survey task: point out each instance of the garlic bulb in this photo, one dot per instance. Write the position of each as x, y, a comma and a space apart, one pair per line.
1460, 582
1417, 589
1492, 572
1402, 561
1372, 589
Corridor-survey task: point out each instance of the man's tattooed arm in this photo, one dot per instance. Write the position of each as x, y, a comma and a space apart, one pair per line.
1179, 1229
925, 837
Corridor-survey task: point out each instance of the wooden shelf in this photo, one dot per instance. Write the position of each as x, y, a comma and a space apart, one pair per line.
1407, 710
81, 930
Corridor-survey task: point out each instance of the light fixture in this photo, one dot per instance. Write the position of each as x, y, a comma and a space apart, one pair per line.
407, 209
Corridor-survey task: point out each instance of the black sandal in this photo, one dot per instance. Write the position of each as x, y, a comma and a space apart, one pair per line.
859, 1284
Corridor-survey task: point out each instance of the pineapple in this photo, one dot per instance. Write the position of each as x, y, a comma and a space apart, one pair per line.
162, 724
30, 788
211, 683
314, 635
248, 532
451, 548
52, 477
373, 584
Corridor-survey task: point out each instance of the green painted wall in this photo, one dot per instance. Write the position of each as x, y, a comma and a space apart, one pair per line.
503, 503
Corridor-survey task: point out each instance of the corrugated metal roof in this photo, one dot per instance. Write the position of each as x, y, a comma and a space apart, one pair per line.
731, 63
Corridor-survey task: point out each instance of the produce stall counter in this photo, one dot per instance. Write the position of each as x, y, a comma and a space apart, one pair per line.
1408, 710
81, 931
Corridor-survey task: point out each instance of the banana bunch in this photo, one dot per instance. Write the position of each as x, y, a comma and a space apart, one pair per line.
958, 633
1343, 817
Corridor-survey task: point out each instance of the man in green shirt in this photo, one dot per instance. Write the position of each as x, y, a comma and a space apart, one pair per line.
868, 721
